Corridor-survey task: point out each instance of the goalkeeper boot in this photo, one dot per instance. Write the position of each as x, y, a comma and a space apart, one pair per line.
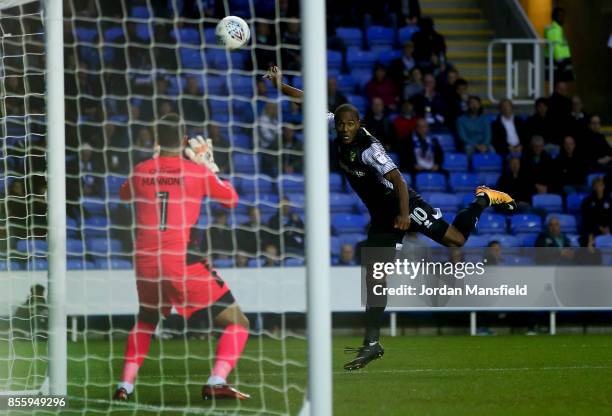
365, 354
499, 199
222, 391
121, 395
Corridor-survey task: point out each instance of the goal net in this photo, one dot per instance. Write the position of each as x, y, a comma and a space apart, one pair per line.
127, 64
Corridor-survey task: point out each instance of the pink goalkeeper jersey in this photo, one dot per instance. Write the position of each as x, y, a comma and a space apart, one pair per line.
168, 193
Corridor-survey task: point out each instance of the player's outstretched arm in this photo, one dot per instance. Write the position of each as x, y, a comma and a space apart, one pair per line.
275, 76
402, 221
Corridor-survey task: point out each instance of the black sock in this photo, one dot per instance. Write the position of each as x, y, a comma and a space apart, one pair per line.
466, 219
373, 321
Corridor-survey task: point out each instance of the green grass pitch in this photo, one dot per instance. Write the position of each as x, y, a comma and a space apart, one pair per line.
438, 375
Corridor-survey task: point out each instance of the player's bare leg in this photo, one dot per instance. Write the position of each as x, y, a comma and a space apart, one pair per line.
230, 347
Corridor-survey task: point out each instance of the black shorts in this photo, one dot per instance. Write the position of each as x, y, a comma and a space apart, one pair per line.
207, 315
424, 219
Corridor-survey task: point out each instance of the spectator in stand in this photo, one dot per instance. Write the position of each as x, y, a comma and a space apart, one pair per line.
347, 256
17, 213
427, 42
117, 149
91, 170
429, 104
221, 146
425, 154
334, 97
514, 182
578, 119
507, 130
253, 236
540, 123
456, 102
264, 35
445, 81
292, 153
597, 210
599, 149
291, 56
220, 236
191, 102
570, 168
270, 256
493, 255
405, 122
559, 109
560, 48
414, 84
270, 130
143, 146
382, 86
553, 238
474, 129
400, 68
290, 227
377, 122
537, 166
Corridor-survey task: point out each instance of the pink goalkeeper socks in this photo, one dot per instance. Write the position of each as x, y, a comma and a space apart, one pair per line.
137, 348
229, 349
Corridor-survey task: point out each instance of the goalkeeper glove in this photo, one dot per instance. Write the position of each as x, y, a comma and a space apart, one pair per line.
200, 151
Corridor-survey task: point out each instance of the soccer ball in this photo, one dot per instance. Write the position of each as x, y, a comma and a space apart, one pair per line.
232, 32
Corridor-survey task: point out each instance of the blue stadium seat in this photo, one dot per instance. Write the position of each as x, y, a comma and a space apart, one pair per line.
94, 206
463, 182
603, 241
386, 56
239, 219
505, 240
486, 162
567, 222
217, 59
548, 202
527, 239
240, 59
405, 33
352, 238
488, 178
296, 199
268, 204
241, 85
345, 83
35, 247
191, 58
242, 111
380, 38
99, 246
256, 184
293, 262
37, 264
244, 163
447, 142
574, 202
75, 246
358, 59
112, 34
361, 77
590, 177
215, 85
341, 203
140, 12
407, 178
84, 34
291, 183
359, 102
334, 60
430, 182
143, 32
351, 36
395, 157
209, 37
447, 202
186, 35
336, 182
517, 261
349, 223
335, 244
491, 223
113, 184
242, 141
525, 223
218, 107
455, 162
223, 263
113, 264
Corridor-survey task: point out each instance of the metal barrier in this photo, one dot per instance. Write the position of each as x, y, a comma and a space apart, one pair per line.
535, 70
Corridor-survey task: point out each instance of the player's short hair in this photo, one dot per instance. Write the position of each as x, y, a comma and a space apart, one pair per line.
169, 131
347, 108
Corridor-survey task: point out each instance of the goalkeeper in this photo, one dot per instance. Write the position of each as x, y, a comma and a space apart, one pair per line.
168, 191
394, 208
